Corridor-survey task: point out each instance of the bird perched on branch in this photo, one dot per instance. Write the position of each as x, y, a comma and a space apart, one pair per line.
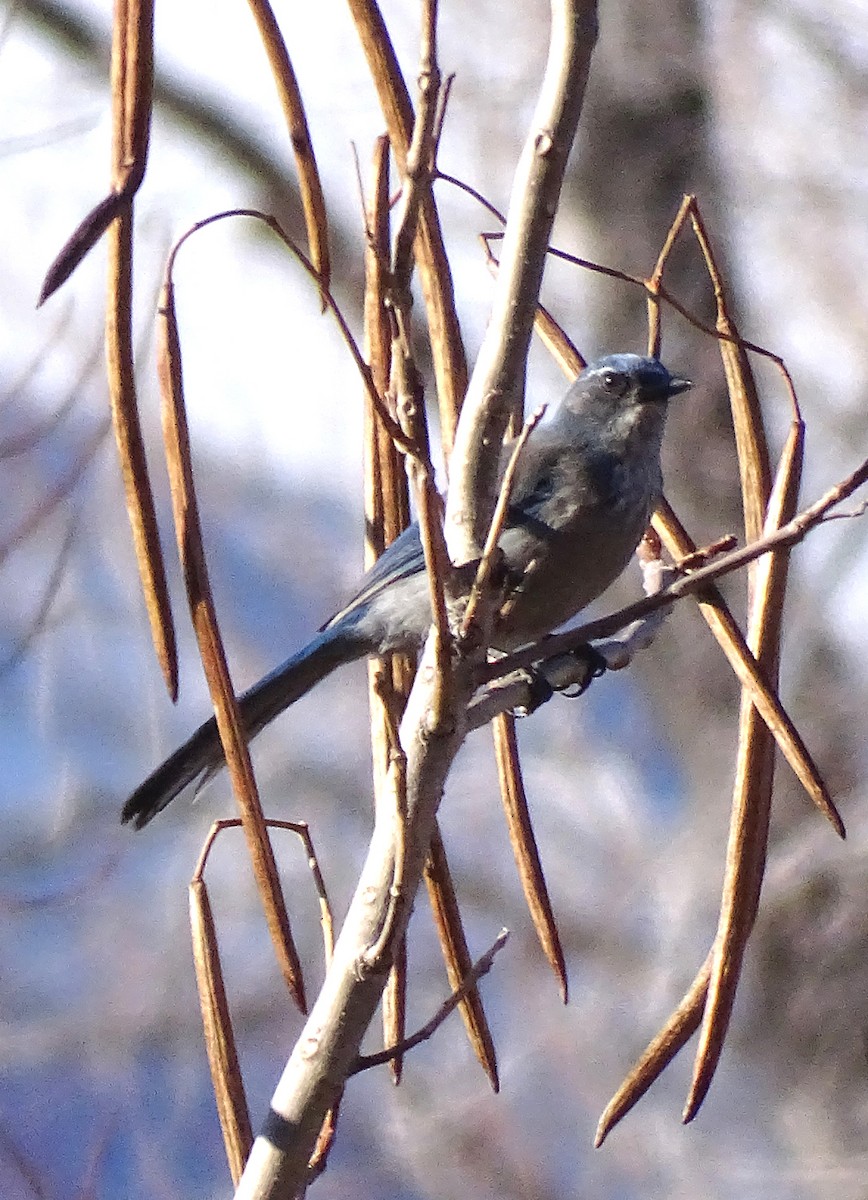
586, 483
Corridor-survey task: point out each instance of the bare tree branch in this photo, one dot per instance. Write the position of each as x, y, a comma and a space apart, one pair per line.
496, 388
434, 725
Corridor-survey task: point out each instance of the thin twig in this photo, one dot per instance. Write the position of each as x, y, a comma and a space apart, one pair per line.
481, 967
788, 535
486, 563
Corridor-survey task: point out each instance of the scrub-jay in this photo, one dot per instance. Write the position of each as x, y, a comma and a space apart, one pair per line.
586, 484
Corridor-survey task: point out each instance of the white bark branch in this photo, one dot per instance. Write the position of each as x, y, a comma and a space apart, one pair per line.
496, 388
330, 1042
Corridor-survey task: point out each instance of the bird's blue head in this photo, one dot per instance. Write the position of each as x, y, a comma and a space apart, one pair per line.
620, 398
628, 378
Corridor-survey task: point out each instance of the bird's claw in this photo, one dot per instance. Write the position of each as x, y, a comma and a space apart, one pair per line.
539, 692
540, 687
595, 666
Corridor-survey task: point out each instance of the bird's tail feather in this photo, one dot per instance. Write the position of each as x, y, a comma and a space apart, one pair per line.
202, 754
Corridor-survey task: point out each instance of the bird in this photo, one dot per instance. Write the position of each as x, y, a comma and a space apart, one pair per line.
586, 482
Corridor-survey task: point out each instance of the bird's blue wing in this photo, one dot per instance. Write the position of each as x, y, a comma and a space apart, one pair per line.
402, 558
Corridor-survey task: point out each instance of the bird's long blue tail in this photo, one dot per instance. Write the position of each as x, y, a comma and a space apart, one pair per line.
202, 754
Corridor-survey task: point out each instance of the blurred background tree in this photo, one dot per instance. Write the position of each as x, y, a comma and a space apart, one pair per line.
759, 109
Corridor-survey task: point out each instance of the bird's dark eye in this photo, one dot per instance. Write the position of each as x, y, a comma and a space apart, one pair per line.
614, 382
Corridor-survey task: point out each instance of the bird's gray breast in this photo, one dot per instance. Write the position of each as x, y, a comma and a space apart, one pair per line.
571, 535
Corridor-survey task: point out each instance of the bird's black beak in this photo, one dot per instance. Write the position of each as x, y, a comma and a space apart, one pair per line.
678, 385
